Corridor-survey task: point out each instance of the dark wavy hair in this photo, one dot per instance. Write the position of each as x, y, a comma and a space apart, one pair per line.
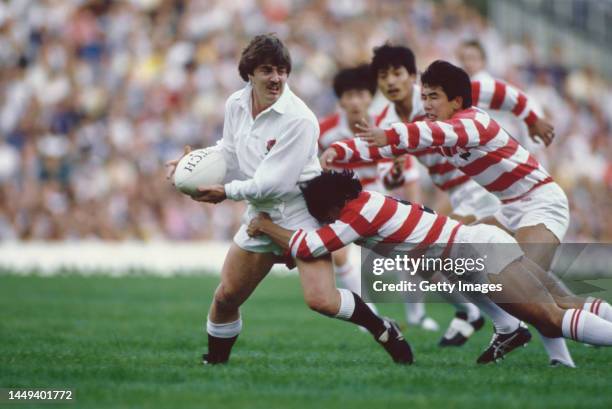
387, 56
330, 189
263, 49
454, 81
355, 78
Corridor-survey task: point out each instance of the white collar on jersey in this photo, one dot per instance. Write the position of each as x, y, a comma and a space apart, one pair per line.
279, 106
481, 75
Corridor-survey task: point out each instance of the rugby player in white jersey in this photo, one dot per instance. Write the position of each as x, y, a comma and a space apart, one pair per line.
270, 145
534, 208
371, 219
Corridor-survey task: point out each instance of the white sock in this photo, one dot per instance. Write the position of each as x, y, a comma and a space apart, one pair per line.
415, 312
598, 307
347, 277
461, 303
556, 348
503, 322
586, 327
224, 330
347, 304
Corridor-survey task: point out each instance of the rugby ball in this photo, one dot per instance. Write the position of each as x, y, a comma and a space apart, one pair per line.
199, 168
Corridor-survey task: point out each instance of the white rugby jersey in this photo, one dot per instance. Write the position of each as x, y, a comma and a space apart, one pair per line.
268, 156
471, 141
373, 218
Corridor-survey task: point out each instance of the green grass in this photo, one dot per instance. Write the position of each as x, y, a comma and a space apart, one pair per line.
136, 342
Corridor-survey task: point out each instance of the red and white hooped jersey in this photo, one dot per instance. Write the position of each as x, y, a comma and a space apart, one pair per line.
471, 141
373, 218
487, 93
490, 93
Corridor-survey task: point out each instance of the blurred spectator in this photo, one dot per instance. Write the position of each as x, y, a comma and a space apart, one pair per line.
96, 95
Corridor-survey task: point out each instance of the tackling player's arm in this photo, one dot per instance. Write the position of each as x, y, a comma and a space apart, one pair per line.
263, 224
308, 244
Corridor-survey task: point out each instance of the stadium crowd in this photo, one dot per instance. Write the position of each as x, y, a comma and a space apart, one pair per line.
96, 96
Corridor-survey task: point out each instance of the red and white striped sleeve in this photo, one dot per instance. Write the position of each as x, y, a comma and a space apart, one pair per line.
498, 95
357, 220
316, 243
469, 129
357, 151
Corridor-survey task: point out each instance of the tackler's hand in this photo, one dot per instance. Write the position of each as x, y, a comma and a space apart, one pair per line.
372, 135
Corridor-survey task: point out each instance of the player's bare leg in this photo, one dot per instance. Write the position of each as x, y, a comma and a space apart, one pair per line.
322, 296
527, 298
539, 245
241, 273
563, 296
556, 348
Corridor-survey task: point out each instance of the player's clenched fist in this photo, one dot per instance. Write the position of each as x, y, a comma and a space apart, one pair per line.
256, 224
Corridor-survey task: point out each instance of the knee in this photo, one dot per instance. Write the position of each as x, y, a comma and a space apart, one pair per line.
321, 303
227, 298
549, 321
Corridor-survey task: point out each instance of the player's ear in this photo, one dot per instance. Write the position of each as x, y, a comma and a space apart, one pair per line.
457, 103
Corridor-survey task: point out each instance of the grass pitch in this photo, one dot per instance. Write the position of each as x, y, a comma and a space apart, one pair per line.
136, 342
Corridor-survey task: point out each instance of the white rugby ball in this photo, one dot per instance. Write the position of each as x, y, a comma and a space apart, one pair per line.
198, 168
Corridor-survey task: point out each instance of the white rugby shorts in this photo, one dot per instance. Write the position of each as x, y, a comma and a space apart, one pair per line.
292, 215
546, 204
470, 198
495, 247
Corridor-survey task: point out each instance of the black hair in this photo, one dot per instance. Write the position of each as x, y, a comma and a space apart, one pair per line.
263, 49
454, 81
477, 45
330, 189
387, 56
355, 78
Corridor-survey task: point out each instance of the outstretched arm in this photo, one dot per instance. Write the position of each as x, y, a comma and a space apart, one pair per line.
307, 244
468, 130
498, 95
